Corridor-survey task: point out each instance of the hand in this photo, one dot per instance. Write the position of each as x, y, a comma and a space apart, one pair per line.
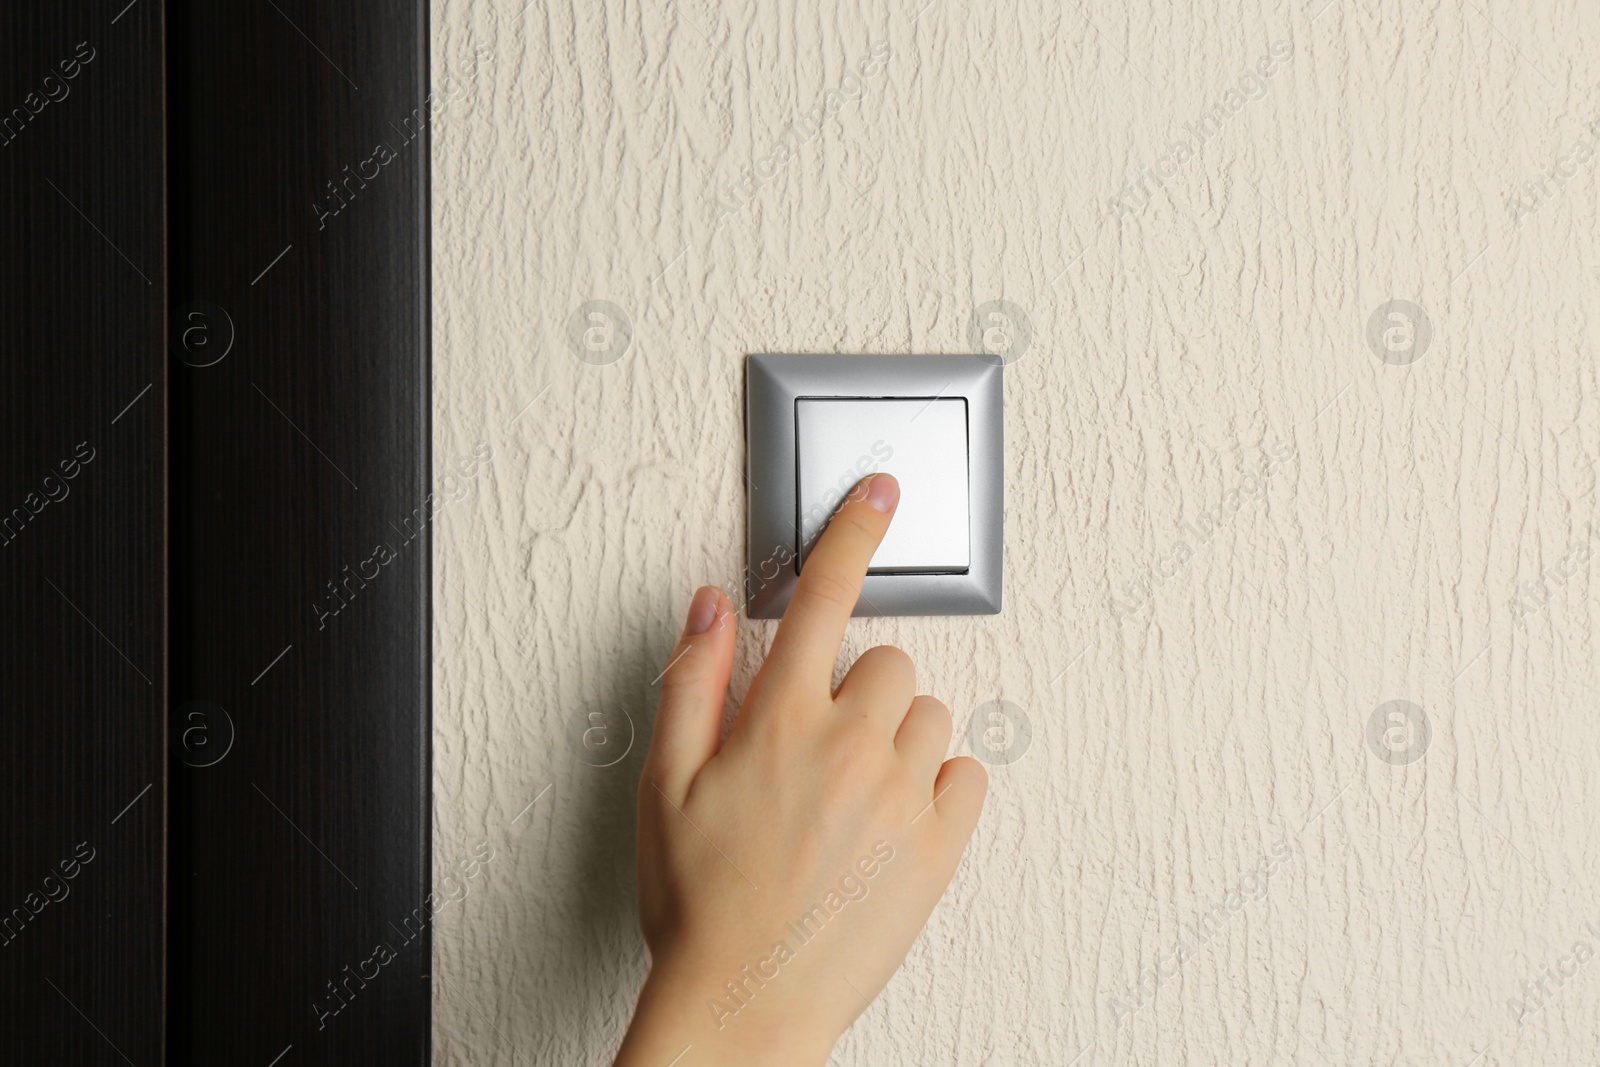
784, 874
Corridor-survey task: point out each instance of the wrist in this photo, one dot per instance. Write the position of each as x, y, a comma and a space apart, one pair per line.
685, 1014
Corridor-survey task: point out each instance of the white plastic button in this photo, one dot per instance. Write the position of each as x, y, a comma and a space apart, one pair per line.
922, 442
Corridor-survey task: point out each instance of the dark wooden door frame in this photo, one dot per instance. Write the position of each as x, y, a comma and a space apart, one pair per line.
82, 534
300, 569
221, 641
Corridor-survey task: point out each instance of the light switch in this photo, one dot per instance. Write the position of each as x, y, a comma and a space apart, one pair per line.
922, 441
815, 425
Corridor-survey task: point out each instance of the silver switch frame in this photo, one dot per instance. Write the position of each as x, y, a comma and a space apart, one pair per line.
774, 382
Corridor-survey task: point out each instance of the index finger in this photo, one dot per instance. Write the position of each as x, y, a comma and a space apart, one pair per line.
807, 643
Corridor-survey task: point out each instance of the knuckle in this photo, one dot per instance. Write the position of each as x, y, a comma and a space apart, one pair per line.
968, 774
827, 590
938, 713
783, 731
889, 658
885, 670
855, 748
909, 792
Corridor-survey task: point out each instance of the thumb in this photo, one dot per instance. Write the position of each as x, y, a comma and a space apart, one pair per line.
693, 687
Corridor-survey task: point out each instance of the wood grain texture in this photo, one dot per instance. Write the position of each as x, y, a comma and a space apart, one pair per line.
82, 534
300, 876
1199, 646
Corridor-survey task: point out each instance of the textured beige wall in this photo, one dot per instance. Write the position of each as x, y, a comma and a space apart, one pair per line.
1199, 697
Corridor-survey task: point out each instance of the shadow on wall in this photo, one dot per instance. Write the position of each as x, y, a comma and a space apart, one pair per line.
606, 742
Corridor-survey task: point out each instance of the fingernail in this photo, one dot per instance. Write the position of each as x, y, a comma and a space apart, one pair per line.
702, 611
883, 494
